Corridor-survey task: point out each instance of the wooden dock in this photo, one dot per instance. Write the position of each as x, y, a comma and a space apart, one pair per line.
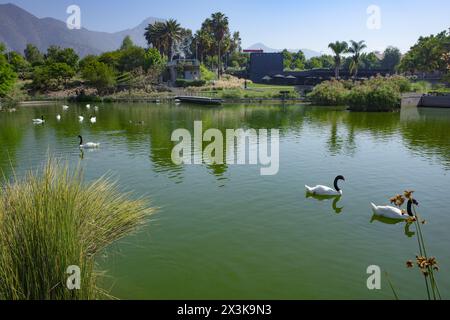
199, 100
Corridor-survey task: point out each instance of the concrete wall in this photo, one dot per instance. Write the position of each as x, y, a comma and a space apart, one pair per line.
436, 101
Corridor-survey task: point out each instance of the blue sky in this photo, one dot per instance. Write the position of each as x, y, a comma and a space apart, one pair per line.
308, 24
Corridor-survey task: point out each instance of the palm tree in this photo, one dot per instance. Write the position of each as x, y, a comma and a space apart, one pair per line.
163, 36
172, 33
153, 35
356, 49
338, 49
219, 24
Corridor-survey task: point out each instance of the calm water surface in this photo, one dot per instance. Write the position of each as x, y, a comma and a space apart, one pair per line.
227, 232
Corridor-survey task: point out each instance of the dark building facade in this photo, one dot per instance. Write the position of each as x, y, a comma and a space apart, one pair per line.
263, 65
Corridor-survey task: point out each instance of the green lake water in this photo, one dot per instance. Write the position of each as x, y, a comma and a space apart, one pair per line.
226, 232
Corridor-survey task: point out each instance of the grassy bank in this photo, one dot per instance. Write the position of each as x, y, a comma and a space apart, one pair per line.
50, 220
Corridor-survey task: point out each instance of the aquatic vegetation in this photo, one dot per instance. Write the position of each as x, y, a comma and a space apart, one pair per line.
51, 220
374, 94
330, 93
427, 265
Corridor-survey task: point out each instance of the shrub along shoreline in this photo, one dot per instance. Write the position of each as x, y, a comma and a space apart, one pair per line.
375, 94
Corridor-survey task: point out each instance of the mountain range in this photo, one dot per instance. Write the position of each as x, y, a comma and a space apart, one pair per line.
19, 27
261, 46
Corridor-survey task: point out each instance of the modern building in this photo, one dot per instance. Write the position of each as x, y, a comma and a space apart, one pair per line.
269, 68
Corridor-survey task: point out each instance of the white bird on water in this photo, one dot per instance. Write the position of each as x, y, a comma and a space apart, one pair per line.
80, 118
89, 145
93, 119
88, 106
65, 108
58, 117
326, 191
393, 212
39, 121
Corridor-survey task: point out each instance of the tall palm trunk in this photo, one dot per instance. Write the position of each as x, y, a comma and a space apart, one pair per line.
219, 62
336, 71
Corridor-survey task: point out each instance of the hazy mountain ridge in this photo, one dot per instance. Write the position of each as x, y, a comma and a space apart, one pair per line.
308, 53
18, 28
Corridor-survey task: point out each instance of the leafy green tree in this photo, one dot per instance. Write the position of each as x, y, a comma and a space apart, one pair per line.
127, 43
369, 61
299, 60
18, 63
314, 63
111, 58
7, 76
153, 59
98, 74
238, 60
338, 49
67, 56
356, 49
131, 58
287, 59
391, 59
236, 42
327, 61
33, 55
52, 76
426, 55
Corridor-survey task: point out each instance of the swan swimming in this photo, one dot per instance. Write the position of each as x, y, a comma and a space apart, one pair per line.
88, 106
80, 118
89, 145
58, 117
327, 191
39, 121
93, 119
393, 212
65, 107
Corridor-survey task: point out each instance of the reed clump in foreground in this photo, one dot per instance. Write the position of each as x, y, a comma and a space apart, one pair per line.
50, 220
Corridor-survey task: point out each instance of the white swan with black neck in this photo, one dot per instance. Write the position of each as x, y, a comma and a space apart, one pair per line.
393, 212
326, 191
89, 145
39, 121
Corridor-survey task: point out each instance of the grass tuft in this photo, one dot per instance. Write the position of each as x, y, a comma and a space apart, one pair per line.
50, 220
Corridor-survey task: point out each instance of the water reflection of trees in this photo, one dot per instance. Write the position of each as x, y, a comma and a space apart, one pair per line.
423, 131
428, 134
11, 135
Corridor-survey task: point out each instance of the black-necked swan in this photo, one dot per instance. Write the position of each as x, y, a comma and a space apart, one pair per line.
393, 212
39, 121
327, 191
89, 145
